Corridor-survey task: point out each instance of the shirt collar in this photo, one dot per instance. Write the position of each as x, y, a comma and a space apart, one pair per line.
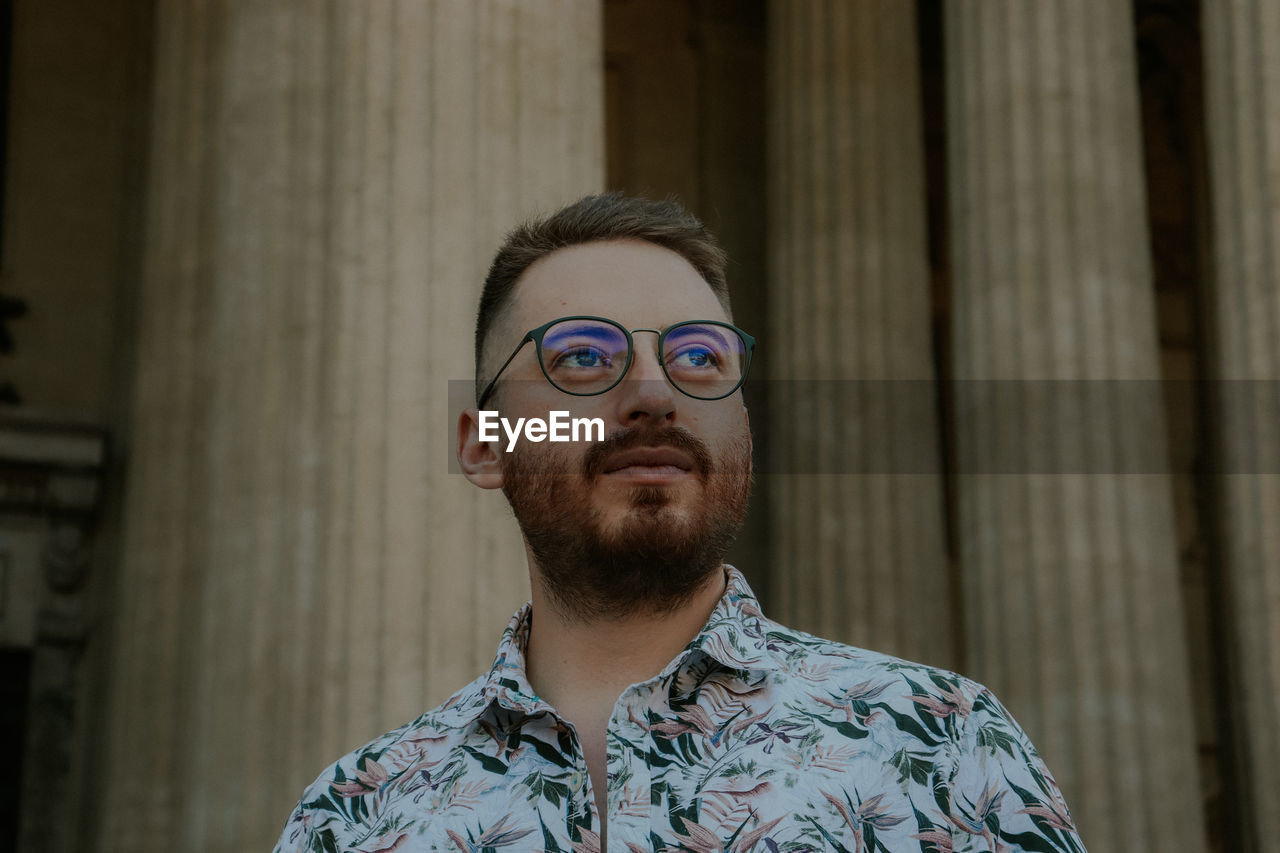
507, 682
736, 633
735, 636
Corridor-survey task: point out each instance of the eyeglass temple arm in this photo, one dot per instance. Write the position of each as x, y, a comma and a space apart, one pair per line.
494, 381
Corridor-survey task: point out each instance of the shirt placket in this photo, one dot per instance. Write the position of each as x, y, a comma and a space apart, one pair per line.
579, 803
630, 783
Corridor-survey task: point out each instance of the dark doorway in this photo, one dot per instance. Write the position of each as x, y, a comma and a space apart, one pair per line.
15, 683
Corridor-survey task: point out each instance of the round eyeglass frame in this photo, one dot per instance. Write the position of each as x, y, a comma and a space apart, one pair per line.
536, 335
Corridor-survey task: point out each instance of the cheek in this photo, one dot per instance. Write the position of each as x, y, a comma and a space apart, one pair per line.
733, 442
721, 428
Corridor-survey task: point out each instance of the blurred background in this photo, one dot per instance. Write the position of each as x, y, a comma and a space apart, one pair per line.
1014, 266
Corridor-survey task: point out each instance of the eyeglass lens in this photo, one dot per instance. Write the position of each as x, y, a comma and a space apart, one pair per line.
703, 360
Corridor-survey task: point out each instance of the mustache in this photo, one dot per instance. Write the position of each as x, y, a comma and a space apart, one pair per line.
629, 438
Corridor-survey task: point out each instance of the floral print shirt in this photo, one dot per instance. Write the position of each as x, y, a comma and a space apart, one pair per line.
756, 737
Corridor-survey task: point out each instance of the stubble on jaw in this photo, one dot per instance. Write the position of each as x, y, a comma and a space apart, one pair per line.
652, 560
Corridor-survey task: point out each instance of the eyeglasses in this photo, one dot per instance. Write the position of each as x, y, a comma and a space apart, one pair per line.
585, 356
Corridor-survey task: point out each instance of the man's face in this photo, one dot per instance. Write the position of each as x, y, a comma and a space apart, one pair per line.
639, 521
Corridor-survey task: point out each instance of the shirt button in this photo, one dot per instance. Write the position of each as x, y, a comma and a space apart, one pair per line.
576, 781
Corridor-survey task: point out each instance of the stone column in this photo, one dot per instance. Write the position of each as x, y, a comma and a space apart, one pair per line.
1072, 611
856, 492
1242, 68
300, 570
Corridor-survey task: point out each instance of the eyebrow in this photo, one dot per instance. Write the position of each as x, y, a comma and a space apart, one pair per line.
587, 329
701, 330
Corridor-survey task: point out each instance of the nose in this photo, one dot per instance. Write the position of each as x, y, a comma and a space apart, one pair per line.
646, 393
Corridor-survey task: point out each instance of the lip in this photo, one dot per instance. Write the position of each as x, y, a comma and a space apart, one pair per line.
649, 464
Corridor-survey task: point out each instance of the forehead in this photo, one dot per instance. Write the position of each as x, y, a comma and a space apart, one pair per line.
636, 283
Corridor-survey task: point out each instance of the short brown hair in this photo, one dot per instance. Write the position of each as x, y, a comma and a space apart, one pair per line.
596, 218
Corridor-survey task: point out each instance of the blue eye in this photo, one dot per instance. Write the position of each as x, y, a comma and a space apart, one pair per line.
582, 357
695, 357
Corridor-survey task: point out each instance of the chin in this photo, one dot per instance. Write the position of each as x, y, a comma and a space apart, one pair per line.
646, 505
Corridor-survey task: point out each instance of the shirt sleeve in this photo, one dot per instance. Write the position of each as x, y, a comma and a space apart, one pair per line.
1001, 794
296, 837
310, 828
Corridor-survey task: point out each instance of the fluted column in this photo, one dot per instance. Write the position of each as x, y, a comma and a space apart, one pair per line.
1242, 92
1066, 522
856, 500
300, 570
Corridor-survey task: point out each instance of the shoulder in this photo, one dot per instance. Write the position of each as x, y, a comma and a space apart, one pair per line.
893, 706
861, 674
355, 786
947, 733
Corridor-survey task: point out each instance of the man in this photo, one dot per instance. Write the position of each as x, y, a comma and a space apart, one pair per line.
642, 701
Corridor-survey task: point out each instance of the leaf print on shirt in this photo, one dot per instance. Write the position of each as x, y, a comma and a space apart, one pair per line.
703, 839
731, 800
863, 819
835, 757
767, 734
496, 836
754, 737
977, 818
913, 766
387, 843
944, 703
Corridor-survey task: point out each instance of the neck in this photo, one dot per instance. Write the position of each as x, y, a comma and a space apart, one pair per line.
570, 658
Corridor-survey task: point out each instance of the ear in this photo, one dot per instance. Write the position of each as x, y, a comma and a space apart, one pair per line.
477, 459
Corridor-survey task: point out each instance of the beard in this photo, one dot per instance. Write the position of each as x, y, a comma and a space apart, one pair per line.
654, 558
